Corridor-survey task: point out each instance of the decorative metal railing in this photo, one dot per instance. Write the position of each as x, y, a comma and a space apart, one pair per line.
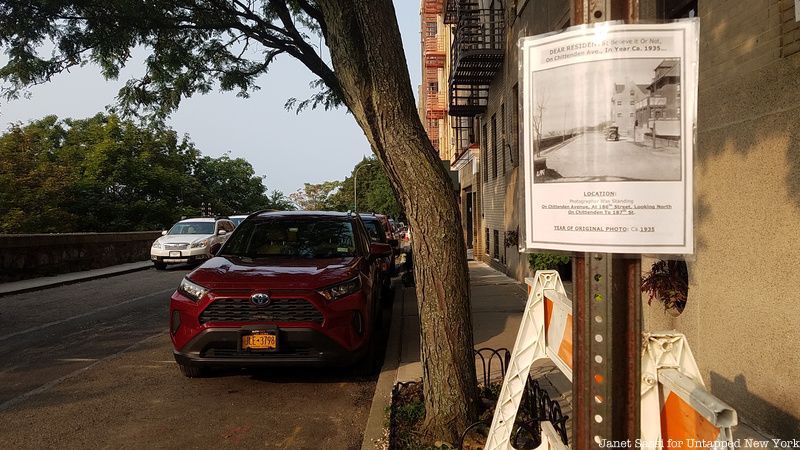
537, 406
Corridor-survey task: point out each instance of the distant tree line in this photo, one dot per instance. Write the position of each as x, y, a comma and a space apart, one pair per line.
108, 174
374, 192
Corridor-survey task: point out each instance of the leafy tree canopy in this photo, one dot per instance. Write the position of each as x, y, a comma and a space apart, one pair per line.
316, 196
193, 45
107, 174
375, 193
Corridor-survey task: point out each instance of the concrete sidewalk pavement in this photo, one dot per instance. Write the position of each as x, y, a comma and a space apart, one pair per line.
34, 284
497, 304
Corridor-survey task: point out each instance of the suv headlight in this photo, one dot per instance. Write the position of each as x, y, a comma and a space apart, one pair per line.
156, 244
192, 290
340, 290
200, 244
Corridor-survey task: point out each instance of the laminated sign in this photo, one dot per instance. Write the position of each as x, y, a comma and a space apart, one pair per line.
609, 124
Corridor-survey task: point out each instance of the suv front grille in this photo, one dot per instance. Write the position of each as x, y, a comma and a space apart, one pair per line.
280, 310
175, 246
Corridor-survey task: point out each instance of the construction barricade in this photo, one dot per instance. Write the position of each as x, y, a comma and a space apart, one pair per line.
676, 410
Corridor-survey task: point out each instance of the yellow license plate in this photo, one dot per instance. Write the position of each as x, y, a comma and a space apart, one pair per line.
260, 341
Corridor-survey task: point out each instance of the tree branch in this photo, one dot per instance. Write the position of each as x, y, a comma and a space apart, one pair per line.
308, 55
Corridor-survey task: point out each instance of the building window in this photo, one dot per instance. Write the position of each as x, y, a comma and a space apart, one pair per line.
485, 155
632, 94
487, 241
632, 102
631, 115
503, 138
496, 244
430, 29
619, 114
493, 141
619, 103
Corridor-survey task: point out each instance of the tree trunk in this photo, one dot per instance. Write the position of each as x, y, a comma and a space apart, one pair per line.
367, 55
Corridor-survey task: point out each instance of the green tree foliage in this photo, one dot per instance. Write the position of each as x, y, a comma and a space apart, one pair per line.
231, 185
278, 200
375, 193
316, 197
106, 174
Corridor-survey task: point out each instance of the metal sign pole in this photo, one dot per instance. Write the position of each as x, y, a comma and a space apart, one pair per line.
607, 311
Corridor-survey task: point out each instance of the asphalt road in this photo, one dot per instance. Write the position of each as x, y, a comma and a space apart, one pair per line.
589, 157
90, 365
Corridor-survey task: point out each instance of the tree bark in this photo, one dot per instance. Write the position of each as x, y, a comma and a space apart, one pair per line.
368, 59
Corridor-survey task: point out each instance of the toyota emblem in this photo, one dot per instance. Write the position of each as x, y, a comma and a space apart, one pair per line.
260, 299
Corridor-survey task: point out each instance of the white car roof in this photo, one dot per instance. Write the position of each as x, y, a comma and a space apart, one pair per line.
199, 219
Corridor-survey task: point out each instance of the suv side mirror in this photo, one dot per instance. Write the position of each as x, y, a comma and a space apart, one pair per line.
164, 232
221, 233
379, 250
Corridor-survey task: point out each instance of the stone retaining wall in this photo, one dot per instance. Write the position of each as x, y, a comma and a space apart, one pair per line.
33, 255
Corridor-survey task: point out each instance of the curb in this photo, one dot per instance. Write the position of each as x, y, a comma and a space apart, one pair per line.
36, 284
375, 433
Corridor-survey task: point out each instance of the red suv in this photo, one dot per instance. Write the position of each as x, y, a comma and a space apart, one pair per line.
287, 288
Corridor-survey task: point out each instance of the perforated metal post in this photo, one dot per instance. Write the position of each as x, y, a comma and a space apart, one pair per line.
607, 312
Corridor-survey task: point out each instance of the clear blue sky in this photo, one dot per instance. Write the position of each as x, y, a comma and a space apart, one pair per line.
288, 149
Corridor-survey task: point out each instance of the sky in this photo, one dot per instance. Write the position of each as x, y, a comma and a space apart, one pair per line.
288, 149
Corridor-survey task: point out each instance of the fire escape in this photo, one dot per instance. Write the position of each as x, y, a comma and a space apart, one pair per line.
476, 56
434, 61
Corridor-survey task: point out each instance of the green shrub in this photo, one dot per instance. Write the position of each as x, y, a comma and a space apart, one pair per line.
546, 261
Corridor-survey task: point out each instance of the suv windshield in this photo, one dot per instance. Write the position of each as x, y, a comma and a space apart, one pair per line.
192, 228
292, 238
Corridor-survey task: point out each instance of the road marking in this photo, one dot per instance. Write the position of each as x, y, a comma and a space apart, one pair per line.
77, 359
86, 314
47, 386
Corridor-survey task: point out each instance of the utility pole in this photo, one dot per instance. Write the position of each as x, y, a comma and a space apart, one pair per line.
355, 186
607, 311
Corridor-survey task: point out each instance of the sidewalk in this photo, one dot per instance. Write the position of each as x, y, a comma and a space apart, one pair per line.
497, 306
34, 284
498, 302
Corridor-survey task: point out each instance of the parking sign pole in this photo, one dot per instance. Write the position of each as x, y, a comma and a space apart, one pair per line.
607, 311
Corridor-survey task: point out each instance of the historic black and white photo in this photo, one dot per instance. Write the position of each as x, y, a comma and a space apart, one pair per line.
612, 120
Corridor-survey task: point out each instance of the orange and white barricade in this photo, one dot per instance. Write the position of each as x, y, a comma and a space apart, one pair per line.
545, 333
677, 411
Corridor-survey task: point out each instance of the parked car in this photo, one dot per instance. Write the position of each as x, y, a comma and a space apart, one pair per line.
237, 219
287, 288
190, 241
612, 133
376, 228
